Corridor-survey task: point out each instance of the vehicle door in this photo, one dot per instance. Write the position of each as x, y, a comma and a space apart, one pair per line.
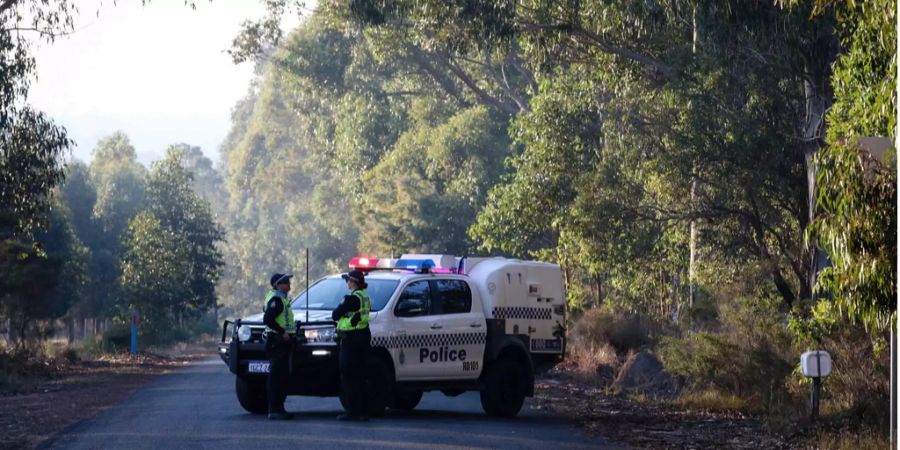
412, 331
462, 327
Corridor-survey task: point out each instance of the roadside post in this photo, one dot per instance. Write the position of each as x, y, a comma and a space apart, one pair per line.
134, 330
815, 364
894, 385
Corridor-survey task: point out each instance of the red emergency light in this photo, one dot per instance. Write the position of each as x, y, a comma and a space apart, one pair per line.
363, 263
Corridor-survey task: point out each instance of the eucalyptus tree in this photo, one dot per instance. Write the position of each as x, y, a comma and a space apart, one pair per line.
856, 191
170, 262
31, 144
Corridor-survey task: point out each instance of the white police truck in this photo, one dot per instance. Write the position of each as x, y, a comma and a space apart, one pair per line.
438, 322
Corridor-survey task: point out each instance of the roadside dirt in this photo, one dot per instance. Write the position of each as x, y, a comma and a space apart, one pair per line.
64, 394
647, 424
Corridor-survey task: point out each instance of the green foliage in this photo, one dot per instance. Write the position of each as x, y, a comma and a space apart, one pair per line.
422, 195
119, 181
207, 181
351, 134
41, 282
857, 198
78, 196
603, 184
856, 192
748, 358
28, 285
865, 75
31, 151
31, 145
61, 241
154, 271
170, 264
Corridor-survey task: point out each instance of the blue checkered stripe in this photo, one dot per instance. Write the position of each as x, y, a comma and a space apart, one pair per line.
521, 312
429, 340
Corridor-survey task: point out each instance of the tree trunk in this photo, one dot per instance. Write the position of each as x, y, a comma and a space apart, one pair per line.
692, 267
70, 329
819, 96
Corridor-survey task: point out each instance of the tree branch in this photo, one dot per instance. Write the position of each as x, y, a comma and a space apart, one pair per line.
576, 31
42, 32
516, 62
504, 84
483, 96
421, 58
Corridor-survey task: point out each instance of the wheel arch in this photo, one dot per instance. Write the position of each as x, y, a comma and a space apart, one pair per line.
385, 356
513, 349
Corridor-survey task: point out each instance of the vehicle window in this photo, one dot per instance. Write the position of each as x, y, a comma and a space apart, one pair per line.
453, 297
415, 300
327, 294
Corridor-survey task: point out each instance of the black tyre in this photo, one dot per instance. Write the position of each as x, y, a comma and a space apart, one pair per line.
379, 387
252, 395
406, 400
504, 390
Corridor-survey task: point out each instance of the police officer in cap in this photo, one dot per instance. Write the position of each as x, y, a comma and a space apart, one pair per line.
352, 317
279, 320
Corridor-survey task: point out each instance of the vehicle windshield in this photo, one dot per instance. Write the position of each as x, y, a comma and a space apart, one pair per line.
327, 294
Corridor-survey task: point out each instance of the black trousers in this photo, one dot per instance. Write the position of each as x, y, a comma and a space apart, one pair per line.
279, 353
354, 351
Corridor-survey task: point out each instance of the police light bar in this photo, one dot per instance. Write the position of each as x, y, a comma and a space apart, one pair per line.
413, 262
417, 265
441, 261
363, 263
429, 263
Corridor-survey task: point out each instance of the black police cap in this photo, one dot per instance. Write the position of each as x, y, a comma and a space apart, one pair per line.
355, 275
280, 278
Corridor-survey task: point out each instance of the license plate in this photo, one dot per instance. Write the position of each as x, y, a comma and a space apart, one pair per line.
258, 367
546, 345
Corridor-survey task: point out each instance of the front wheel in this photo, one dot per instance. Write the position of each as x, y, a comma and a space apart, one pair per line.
252, 395
504, 390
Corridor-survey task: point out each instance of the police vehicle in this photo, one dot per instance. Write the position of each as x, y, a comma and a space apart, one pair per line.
438, 322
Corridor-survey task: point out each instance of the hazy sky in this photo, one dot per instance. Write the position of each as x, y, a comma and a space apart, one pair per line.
157, 72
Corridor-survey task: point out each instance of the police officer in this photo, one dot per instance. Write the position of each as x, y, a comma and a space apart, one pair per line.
352, 317
279, 320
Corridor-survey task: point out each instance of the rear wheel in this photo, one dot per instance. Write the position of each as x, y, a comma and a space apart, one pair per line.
504, 390
406, 400
252, 395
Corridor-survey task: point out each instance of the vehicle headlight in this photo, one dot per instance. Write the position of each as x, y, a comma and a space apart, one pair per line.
319, 334
244, 333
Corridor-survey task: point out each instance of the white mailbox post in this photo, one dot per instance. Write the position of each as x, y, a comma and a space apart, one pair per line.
815, 364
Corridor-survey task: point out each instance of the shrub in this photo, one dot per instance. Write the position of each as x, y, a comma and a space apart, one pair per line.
69, 354
593, 360
858, 390
751, 357
13, 364
623, 331
117, 337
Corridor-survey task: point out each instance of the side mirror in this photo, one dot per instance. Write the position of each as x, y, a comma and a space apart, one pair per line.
410, 307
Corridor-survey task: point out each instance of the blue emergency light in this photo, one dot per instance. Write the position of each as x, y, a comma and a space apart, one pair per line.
416, 265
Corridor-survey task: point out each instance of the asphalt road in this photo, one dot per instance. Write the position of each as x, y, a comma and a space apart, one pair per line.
195, 407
